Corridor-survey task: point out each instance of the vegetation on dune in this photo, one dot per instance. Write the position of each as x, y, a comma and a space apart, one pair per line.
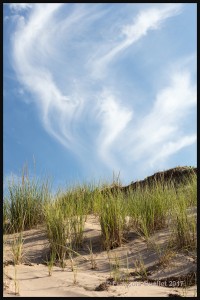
144, 210
24, 202
112, 220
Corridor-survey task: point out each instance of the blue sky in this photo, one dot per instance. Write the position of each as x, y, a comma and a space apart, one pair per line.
92, 89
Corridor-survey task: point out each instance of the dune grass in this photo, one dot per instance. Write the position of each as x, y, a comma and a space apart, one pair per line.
57, 229
164, 205
112, 220
149, 207
24, 202
29, 203
184, 221
17, 249
6, 218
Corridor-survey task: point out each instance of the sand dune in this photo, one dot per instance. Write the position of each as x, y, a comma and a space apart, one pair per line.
31, 278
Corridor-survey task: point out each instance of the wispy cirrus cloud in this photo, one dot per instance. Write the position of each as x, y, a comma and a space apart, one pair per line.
170, 148
149, 19
114, 119
158, 133
17, 7
63, 62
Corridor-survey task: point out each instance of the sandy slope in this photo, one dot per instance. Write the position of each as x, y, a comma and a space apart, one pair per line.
31, 277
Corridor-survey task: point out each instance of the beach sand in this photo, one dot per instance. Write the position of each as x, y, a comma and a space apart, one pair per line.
31, 279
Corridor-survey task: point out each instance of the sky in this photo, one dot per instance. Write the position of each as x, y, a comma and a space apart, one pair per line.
96, 91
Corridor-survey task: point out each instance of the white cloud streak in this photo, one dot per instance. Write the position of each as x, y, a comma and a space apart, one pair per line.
56, 109
172, 147
63, 68
162, 123
150, 19
17, 7
114, 119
